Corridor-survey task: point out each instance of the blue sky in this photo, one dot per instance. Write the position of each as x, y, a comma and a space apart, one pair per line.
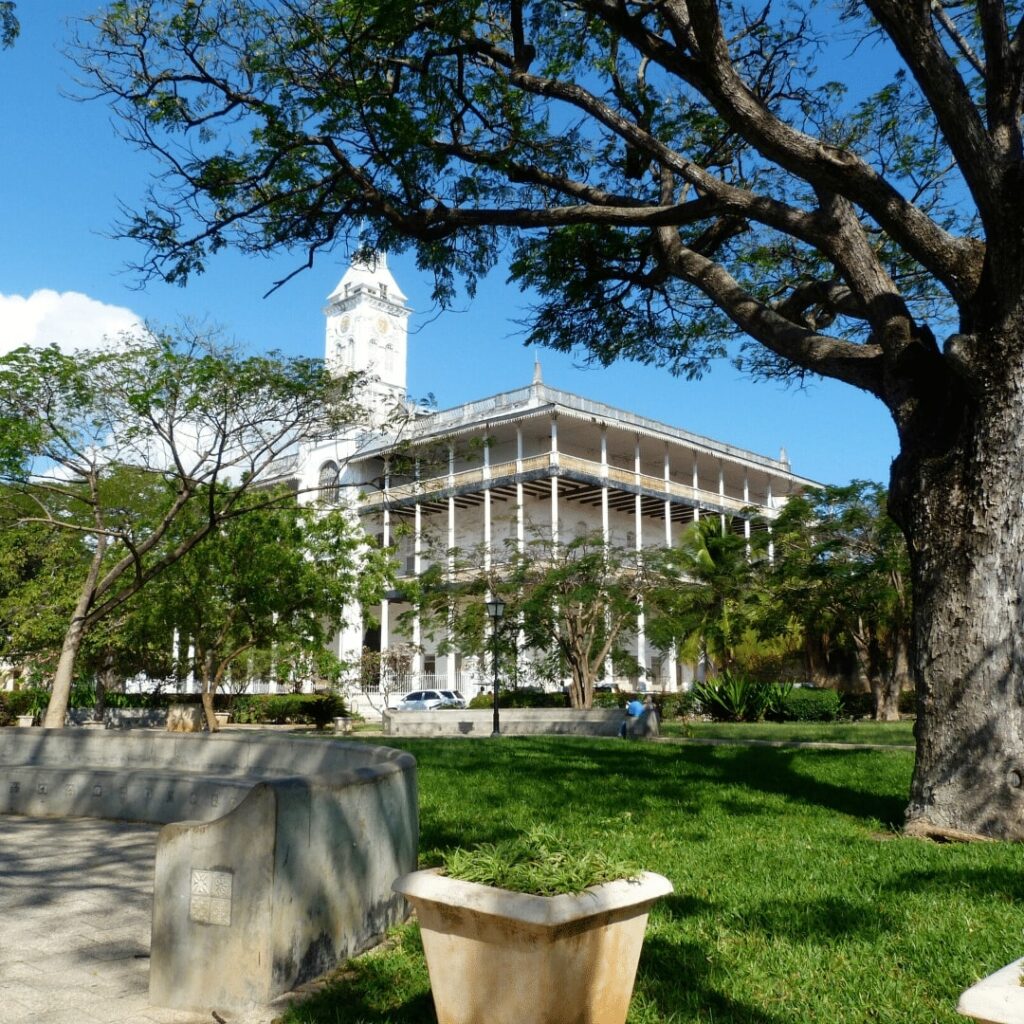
62, 277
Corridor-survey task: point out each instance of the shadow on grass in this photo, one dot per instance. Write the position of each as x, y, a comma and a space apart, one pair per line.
674, 982
602, 779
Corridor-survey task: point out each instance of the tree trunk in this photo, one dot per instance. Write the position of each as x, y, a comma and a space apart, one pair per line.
207, 691
888, 685
57, 708
958, 499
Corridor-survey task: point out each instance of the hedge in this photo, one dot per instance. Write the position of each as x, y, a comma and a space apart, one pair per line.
525, 698
806, 705
266, 709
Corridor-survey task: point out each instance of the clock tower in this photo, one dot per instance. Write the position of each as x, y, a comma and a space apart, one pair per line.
368, 331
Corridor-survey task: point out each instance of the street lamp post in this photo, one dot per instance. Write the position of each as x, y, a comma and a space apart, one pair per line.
495, 611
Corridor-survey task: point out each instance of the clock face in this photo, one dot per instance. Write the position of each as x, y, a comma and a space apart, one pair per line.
343, 324
383, 326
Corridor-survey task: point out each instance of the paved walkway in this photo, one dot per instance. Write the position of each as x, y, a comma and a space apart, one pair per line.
74, 925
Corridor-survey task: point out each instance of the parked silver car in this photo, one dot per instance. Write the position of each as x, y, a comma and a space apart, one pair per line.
430, 700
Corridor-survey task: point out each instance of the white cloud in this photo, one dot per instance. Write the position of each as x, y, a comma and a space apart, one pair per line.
69, 319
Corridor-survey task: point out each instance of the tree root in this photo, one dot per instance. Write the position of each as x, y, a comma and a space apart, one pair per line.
921, 829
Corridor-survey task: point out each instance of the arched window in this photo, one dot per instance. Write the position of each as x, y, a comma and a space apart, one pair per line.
329, 489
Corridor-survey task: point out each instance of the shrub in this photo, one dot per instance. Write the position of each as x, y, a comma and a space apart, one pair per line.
678, 705
524, 698
315, 708
732, 698
805, 705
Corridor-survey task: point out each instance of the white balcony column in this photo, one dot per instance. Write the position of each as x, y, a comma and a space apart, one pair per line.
605, 537
554, 511
721, 490
520, 511
771, 543
696, 488
746, 502
668, 500
190, 675
417, 568
672, 655
638, 500
487, 502
554, 439
385, 608
450, 656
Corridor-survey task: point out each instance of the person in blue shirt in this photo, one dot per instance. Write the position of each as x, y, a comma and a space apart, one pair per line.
634, 709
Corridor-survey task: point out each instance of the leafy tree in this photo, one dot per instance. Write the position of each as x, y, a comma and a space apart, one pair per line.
182, 413
574, 600
841, 567
672, 176
705, 601
9, 27
272, 581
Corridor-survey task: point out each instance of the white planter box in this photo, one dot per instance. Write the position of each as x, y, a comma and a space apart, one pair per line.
510, 958
997, 999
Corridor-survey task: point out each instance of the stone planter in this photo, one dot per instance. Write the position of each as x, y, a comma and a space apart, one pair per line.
510, 958
25, 721
997, 999
222, 717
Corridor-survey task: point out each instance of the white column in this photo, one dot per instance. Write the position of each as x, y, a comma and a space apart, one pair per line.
746, 501
609, 667
385, 608
417, 568
668, 500
520, 512
721, 490
604, 486
637, 501
672, 655
696, 488
555, 533
771, 543
487, 502
641, 636
450, 656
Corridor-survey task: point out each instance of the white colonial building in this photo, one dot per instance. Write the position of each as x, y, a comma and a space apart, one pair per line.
498, 470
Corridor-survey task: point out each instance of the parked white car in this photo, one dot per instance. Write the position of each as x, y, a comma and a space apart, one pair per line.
430, 700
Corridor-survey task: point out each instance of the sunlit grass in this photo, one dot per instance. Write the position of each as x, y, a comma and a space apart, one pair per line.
795, 900
885, 733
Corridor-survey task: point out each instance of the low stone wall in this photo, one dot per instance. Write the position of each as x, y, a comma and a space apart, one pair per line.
283, 869
513, 721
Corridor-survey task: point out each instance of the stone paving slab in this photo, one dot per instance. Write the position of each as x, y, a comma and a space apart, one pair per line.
75, 897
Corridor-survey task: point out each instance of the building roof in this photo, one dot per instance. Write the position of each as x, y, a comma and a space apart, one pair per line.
539, 399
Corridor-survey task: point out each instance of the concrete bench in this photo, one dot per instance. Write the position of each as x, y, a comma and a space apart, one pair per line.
276, 857
514, 722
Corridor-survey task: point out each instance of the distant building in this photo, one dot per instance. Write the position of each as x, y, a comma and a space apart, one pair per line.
506, 466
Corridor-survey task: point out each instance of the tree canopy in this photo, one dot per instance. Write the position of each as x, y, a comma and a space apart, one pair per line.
812, 193
120, 447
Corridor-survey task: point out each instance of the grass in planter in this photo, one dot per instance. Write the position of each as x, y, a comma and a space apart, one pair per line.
540, 861
795, 901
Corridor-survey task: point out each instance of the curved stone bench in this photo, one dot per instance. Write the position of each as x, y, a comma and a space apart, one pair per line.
281, 868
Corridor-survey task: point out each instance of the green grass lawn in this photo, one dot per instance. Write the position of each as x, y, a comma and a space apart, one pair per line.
795, 901
887, 733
